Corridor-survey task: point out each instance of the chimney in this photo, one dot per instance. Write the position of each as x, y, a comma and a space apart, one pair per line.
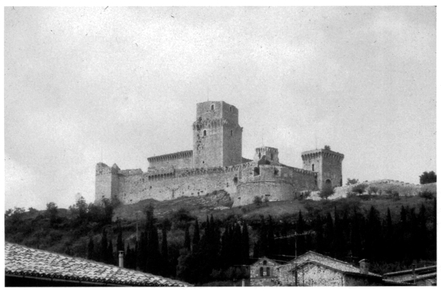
121, 259
364, 267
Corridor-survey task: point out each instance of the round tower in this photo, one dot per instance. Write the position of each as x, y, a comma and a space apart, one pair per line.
327, 164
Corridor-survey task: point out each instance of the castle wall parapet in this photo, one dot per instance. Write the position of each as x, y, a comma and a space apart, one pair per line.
172, 156
130, 172
326, 152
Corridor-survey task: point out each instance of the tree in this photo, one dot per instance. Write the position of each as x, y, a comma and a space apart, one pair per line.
52, 212
119, 242
164, 253
245, 244
90, 249
257, 201
351, 181
110, 256
360, 188
426, 194
81, 206
196, 235
327, 191
103, 250
428, 177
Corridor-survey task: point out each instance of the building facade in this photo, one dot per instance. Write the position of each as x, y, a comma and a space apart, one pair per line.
314, 269
216, 163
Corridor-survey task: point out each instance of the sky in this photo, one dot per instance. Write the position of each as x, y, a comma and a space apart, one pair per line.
117, 85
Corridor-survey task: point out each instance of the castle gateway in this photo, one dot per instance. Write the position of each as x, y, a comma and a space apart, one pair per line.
216, 163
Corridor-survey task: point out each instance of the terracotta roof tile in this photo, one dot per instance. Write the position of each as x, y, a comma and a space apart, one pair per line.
21, 260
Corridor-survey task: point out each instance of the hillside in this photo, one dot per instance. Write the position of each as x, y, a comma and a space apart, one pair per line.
71, 231
383, 187
380, 194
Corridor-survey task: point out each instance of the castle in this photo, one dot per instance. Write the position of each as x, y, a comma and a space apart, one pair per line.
216, 163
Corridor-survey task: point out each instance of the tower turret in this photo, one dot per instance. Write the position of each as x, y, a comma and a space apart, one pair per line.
217, 135
106, 182
327, 164
269, 154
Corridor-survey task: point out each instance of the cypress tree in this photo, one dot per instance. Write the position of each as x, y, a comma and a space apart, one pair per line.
110, 255
300, 228
187, 243
245, 244
153, 263
164, 253
90, 249
236, 245
119, 242
226, 255
328, 234
196, 235
318, 229
103, 250
270, 238
372, 239
389, 249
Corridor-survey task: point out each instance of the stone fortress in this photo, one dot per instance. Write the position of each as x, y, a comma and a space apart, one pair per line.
216, 163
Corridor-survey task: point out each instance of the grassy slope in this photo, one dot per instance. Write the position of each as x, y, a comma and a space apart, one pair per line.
203, 206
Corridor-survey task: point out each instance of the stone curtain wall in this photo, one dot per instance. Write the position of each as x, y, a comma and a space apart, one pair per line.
180, 160
240, 181
138, 187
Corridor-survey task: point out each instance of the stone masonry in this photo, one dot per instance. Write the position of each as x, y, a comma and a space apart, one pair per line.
216, 163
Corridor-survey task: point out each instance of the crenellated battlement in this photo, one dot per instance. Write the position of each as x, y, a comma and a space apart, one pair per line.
172, 156
130, 172
326, 152
209, 123
304, 172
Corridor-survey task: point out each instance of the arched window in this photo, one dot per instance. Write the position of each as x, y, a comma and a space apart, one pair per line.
212, 106
205, 133
231, 132
231, 108
268, 273
328, 182
313, 167
261, 271
264, 263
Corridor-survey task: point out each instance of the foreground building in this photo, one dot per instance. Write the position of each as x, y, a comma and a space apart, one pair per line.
314, 269
216, 163
28, 267
425, 276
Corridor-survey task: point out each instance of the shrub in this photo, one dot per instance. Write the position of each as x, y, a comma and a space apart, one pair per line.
372, 190
302, 195
351, 194
352, 181
426, 194
326, 191
257, 201
360, 188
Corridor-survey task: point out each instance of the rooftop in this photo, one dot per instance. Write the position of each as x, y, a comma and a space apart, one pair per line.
24, 261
